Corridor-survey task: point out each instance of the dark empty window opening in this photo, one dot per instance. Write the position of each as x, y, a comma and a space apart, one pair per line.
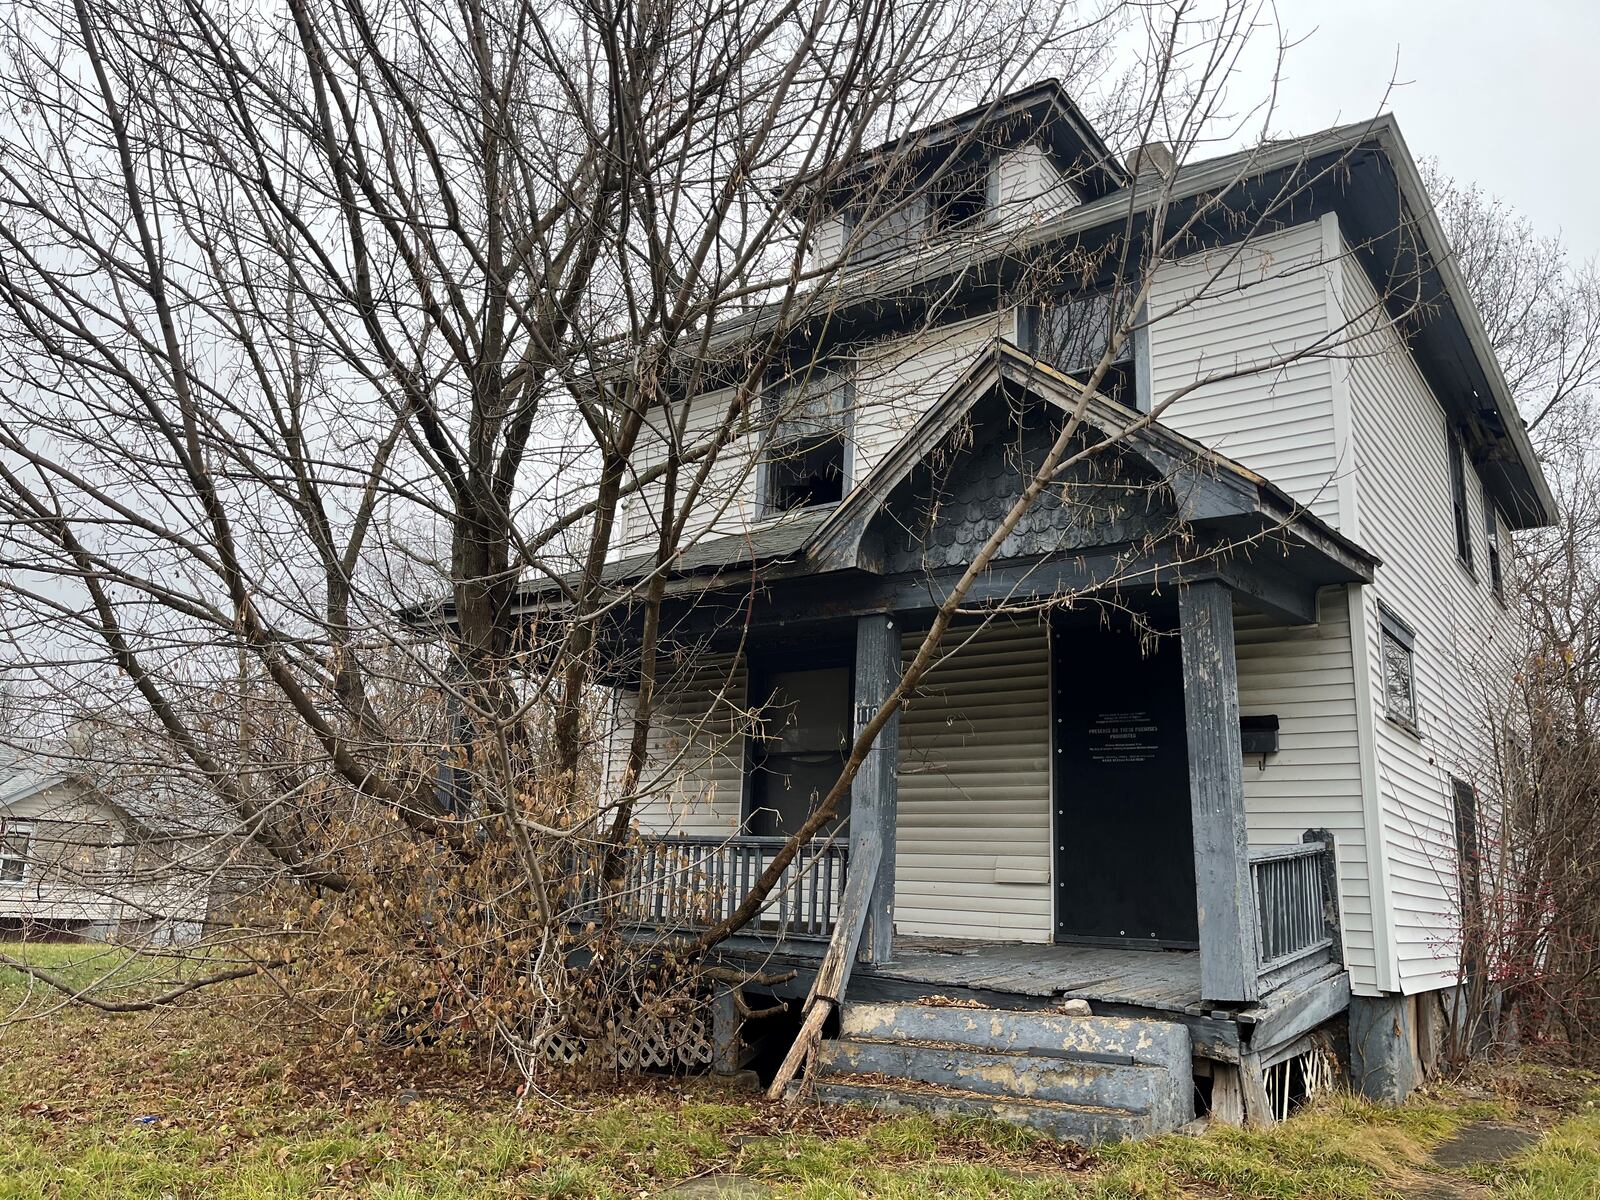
1491, 530
806, 472
959, 197
1458, 499
1071, 333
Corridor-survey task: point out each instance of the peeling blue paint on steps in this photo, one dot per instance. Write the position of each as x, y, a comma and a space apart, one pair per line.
1081, 1078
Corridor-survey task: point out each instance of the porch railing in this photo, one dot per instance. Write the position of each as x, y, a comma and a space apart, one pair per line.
691, 881
1293, 904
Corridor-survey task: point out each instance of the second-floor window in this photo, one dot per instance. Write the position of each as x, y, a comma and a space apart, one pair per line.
1399, 670
14, 841
807, 459
1458, 498
1491, 531
1071, 333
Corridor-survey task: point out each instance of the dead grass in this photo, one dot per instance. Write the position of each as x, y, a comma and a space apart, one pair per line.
198, 1103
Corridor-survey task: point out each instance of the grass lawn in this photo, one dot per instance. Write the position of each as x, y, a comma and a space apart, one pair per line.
194, 1102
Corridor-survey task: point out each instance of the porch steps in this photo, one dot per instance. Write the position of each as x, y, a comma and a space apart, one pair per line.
1080, 1078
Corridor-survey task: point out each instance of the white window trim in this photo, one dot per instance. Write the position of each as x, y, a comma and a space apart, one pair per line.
9, 830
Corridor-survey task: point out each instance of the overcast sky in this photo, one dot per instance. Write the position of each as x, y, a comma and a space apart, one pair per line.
1502, 94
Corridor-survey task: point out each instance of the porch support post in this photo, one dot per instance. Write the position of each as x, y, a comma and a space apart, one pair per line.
1229, 938
875, 792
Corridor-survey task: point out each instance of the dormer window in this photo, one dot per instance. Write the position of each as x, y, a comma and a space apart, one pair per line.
807, 460
958, 198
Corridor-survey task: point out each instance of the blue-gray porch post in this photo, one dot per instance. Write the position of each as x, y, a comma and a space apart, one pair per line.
875, 790
1229, 937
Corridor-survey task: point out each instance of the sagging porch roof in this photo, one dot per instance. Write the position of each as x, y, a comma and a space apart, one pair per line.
1210, 490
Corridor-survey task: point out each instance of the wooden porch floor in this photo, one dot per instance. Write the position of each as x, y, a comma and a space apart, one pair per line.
1167, 980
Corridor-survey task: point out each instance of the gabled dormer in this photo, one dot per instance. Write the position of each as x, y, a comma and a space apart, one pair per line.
1007, 163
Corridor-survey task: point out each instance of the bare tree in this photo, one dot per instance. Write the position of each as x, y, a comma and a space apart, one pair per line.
337, 331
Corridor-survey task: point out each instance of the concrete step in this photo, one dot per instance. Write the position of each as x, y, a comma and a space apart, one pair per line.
1082, 1123
1142, 1042
1127, 1086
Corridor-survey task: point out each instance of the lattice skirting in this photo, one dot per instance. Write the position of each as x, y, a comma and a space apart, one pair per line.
642, 1044
1299, 1078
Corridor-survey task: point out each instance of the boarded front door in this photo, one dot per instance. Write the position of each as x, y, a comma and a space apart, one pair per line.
1123, 832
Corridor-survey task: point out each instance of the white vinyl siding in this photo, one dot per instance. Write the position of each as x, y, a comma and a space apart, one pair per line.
694, 778
899, 379
1028, 187
973, 836
1464, 638
1257, 305
1304, 675
726, 505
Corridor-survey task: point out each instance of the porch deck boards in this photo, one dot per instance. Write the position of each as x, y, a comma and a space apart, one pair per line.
1167, 980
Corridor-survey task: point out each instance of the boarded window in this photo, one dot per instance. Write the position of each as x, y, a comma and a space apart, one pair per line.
14, 841
1458, 498
1399, 670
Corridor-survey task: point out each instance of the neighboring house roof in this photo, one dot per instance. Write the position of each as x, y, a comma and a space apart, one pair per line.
23, 776
27, 771
821, 539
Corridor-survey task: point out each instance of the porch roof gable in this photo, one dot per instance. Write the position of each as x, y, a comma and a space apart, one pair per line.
1206, 485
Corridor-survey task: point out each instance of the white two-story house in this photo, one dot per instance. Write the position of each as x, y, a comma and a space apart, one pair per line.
1204, 747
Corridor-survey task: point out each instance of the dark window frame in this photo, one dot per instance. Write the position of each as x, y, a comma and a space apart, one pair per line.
960, 196
1127, 382
1492, 533
779, 443
1396, 639
1458, 497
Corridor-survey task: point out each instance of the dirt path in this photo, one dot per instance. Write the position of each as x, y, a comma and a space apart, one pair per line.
1477, 1144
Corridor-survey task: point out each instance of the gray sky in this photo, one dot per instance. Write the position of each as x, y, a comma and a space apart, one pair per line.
1501, 94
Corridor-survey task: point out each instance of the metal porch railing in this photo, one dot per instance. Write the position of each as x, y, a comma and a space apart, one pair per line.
1295, 904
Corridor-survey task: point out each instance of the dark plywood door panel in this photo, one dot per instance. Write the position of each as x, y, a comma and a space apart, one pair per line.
806, 719
1124, 848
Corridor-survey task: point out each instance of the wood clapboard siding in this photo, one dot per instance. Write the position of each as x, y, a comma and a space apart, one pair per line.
1465, 639
975, 789
1248, 308
1305, 675
694, 782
